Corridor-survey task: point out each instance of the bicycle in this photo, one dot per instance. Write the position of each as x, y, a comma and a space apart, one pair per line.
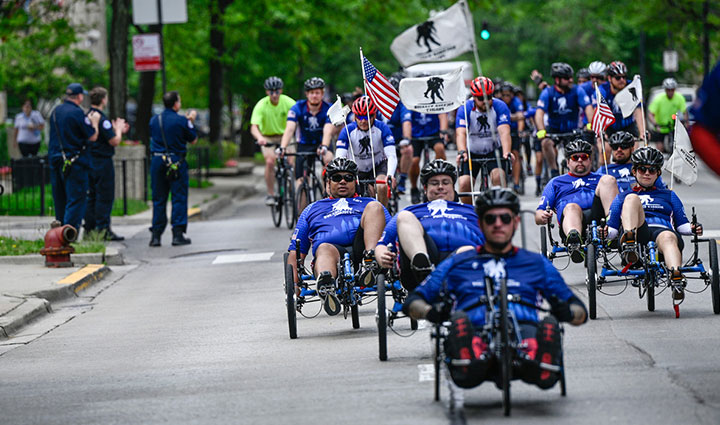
427, 146
310, 188
284, 192
363, 189
483, 175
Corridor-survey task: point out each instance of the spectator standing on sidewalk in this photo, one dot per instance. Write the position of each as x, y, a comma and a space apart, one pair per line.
71, 133
170, 133
28, 127
102, 170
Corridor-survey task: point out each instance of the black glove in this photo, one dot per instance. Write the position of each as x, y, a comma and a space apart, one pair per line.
561, 310
439, 312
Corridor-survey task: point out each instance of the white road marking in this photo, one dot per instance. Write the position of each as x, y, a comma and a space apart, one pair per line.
243, 258
426, 372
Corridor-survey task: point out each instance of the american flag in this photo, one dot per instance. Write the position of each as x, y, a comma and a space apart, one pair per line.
379, 89
603, 117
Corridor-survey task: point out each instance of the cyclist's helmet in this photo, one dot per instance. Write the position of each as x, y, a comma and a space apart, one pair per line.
435, 168
482, 86
507, 87
617, 68
647, 156
597, 68
338, 165
314, 83
583, 73
273, 83
578, 146
669, 84
497, 197
561, 70
395, 79
362, 104
621, 137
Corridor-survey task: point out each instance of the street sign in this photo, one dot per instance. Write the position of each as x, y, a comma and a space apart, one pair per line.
173, 11
146, 52
670, 61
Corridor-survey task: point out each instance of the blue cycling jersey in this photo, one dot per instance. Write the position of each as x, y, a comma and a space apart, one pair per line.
620, 122
330, 220
563, 109
624, 177
310, 127
706, 108
514, 106
449, 224
662, 208
528, 274
423, 125
569, 189
399, 116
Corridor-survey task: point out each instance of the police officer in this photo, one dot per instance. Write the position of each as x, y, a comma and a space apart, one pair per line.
170, 132
71, 133
102, 170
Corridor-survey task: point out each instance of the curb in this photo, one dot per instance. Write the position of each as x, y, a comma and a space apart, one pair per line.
74, 283
27, 310
213, 206
112, 257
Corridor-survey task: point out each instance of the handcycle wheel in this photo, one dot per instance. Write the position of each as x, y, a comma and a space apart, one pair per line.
289, 199
277, 209
543, 242
413, 324
505, 351
437, 360
563, 385
290, 298
591, 280
354, 314
715, 278
381, 318
650, 290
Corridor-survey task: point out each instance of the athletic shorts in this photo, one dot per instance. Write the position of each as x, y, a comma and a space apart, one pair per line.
646, 234
418, 145
479, 160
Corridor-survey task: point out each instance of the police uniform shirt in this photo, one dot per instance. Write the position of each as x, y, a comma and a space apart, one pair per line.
102, 147
178, 130
70, 130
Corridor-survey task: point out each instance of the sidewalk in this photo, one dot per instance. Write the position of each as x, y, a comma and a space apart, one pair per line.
28, 288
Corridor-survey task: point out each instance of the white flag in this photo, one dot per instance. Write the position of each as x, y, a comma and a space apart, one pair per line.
630, 97
338, 112
682, 164
442, 37
435, 94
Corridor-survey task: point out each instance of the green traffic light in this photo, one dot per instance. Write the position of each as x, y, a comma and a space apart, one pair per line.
485, 34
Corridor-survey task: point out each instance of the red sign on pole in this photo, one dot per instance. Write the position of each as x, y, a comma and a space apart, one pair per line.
146, 52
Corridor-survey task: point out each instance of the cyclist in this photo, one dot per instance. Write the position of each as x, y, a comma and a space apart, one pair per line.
430, 231
634, 124
427, 126
267, 125
355, 143
517, 125
648, 213
562, 103
583, 76
577, 197
483, 125
622, 145
597, 71
315, 128
342, 223
663, 111
529, 276
399, 116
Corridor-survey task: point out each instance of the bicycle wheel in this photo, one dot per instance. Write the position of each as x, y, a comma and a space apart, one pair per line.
650, 291
436, 362
355, 316
303, 192
563, 385
715, 278
381, 318
318, 192
290, 298
543, 242
505, 349
289, 200
591, 280
277, 209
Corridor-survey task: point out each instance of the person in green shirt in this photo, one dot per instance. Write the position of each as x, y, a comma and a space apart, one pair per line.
662, 109
267, 125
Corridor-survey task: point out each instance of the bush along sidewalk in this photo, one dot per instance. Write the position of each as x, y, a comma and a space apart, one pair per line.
13, 246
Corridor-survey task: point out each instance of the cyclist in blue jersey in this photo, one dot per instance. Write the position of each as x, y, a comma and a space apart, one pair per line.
562, 103
402, 141
342, 223
648, 213
483, 126
596, 75
577, 197
634, 124
430, 231
423, 125
517, 125
622, 145
705, 134
358, 147
529, 276
583, 76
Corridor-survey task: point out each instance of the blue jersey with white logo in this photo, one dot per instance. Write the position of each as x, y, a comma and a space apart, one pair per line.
569, 189
449, 224
624, 177
483, 125
423, 125
563, 109
399, 116
620, 122
514, 106
330, 220
528, 274
662, 208
309, 126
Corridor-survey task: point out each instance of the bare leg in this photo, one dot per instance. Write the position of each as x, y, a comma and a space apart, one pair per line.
548, 151
439, 149
633, 215
414, 172
326, 259
498, 177
572, 218
373, 224
607, 190
410, 234
464, 186
517, 164
382, 195
269, 155
668, 244
406, 158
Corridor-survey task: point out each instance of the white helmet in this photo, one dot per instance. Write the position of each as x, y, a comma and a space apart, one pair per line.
669, 84
597, 68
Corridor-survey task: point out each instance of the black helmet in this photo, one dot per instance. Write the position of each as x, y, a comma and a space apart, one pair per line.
561, 70
273, 83
578, 146
497, 197
617, 68
583, 73
435, 168
395, 79
647, 156
620, 138
314, 83
507, 87
340, 165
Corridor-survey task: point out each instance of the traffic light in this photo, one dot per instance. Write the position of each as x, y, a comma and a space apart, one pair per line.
485, 33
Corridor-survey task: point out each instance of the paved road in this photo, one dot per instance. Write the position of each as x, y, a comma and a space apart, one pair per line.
179, 339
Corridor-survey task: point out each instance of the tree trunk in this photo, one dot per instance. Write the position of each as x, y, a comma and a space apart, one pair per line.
118, 57
217, 44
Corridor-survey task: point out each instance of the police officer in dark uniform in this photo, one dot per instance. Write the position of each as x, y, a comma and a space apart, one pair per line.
71, 134
170, 132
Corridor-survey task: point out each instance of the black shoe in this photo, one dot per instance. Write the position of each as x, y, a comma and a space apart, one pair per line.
368, 268
574, 246
112, 236
628, 248
421, 266
155, 239
415, 195
326, 290
179, 238
548, 352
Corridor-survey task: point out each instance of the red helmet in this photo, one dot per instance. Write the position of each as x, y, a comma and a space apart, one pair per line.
362, 105
482, 86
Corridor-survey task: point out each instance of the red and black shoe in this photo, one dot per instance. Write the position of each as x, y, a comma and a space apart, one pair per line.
469, 360
548, 353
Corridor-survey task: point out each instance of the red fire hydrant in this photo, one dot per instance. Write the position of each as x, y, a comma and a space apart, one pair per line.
57, 245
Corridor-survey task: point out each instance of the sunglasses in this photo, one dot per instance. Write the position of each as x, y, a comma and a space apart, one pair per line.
618, 77
273, 91
651, 170
623, 146
492, 218
363, 117
580, 157
337, 178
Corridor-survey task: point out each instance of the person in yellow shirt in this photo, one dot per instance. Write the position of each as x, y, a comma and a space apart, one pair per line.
662, 110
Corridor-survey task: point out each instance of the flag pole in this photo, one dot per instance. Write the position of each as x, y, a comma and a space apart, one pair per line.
367, 110
473, 43
602, 131
642, 111
672, 156
467, 148
347, 132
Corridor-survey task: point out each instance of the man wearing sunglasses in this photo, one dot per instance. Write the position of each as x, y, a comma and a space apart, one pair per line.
355, 142
529, 276
577, 197
429, 232
648, 213
342, 223
634, 124
622, 145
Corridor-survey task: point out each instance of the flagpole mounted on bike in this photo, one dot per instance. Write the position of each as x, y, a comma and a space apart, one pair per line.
602, 119
367, 111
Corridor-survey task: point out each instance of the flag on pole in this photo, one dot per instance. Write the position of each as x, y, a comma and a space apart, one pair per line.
379, 89
338, 113
682, 164
443, 36
603, 117
630, 97
435, 94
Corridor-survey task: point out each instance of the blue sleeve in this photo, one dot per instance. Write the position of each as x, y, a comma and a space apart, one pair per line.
548, 197
189, 130
460, 117
659, 183
83, 123
542, 102
679, 217
294, 113
389, 235
518, 104
502, 113
388, 217
615, 210
342, 140
387, 137
406, 114
553, 284
106, 129
583, 98
301, 232
432, 286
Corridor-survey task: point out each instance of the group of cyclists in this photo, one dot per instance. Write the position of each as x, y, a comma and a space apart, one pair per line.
444, 244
